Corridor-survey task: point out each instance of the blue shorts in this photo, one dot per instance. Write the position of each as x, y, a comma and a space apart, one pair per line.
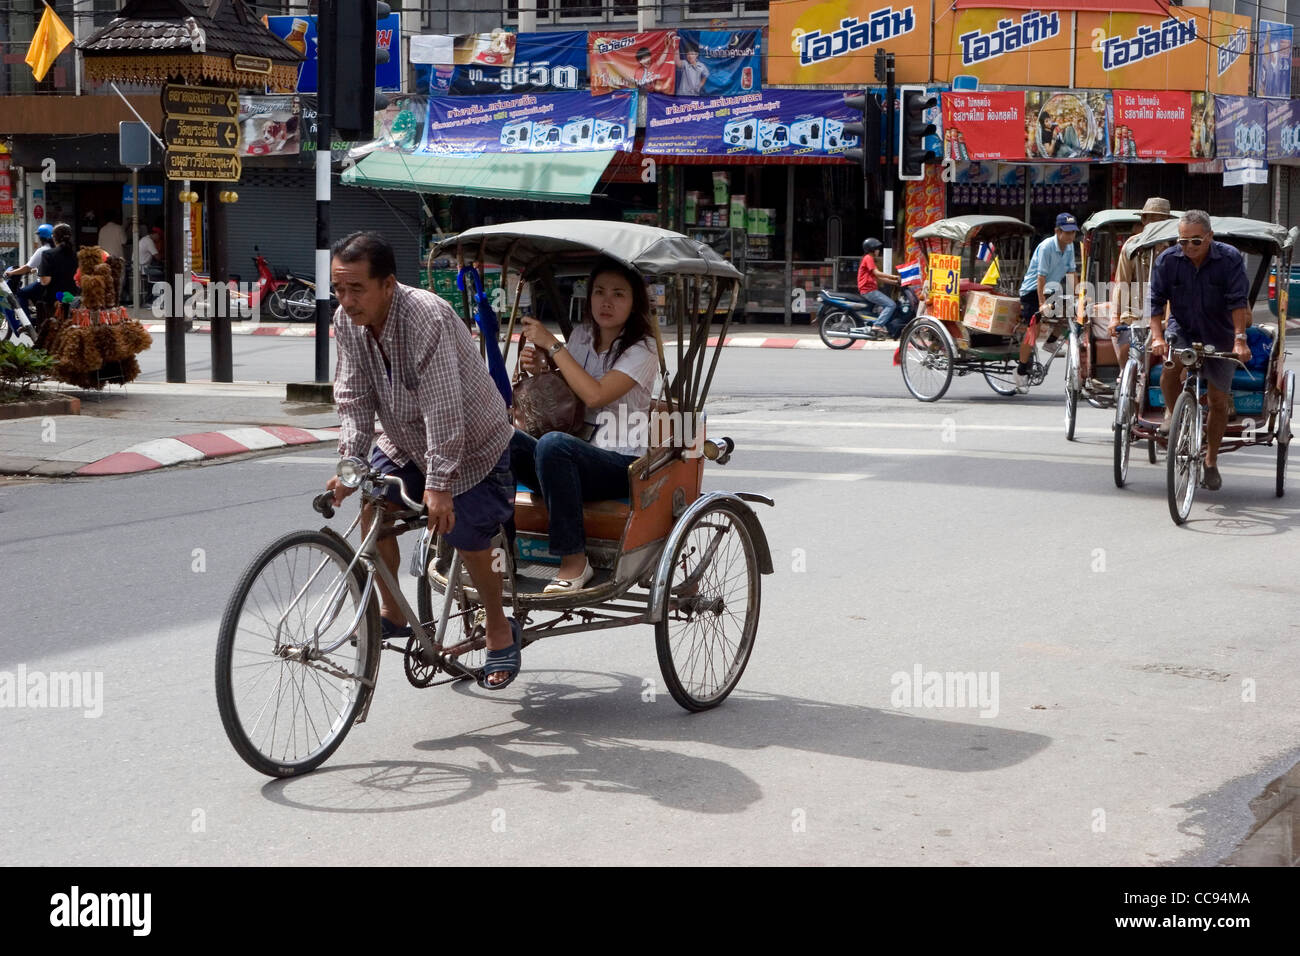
480, 512
1217, 371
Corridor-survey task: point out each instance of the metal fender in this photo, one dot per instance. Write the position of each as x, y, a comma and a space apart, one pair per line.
736, 504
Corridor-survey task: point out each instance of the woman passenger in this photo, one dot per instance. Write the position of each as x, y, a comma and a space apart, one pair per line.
610, 362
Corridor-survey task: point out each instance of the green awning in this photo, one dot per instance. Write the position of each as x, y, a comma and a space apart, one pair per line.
551, 177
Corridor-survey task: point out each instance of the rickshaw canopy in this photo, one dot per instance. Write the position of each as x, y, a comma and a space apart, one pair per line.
1250, 235
1109, 218
576, 243
964, 228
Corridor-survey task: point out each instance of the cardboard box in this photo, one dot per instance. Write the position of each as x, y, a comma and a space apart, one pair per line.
751, 222
987, 312
721, 188
737, 209
692, 207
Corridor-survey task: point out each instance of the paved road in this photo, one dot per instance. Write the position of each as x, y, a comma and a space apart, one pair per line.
1145, 675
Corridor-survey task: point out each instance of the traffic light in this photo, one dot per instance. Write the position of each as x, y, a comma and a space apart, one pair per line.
912, 154
868, 134
348, 55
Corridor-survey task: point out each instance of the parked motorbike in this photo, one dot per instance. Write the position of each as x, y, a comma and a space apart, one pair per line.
300, 298
845, 317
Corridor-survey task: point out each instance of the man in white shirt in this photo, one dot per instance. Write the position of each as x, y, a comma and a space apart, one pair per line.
112, 238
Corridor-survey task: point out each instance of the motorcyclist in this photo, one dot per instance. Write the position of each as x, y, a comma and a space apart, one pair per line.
25, 294
869, 279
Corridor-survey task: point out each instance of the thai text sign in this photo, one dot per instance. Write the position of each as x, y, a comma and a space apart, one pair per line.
983, 125
773, 122
1284, 129
1011, 47
834, 41
1151, 124
945, 282
541, 123
1133, 51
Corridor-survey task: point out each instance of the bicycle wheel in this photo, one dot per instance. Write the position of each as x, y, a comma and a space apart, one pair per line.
1282, 449
1151, 450
465, 639
1072, 387
285, 712
710, 611
1123, 439
1184, 465
927, 361
999, 384
834, 329
301, 303
276, 305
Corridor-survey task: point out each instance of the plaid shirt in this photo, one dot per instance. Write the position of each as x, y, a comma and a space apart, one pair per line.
441, 408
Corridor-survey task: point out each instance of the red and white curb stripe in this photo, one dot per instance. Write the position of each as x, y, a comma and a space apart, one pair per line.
307, 330
161, 452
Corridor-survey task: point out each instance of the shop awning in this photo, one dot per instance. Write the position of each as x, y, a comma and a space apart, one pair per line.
552, 177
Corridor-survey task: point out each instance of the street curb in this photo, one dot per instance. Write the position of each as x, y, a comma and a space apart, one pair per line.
804, 341
162, 452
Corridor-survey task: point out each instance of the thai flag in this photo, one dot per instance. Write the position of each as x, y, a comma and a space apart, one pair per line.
910, 274
986, 252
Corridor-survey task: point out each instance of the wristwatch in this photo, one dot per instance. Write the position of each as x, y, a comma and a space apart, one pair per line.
1242, 336
554, 349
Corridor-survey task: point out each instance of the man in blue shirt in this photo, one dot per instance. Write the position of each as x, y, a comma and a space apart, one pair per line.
1051, 262
1204, 284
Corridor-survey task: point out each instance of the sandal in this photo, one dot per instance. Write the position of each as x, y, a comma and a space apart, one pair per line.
507, 659
388, 630
560, 585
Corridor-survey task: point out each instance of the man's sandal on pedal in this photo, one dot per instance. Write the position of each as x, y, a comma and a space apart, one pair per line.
506, 660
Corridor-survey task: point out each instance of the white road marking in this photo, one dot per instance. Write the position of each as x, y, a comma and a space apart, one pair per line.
720, 421
727, 471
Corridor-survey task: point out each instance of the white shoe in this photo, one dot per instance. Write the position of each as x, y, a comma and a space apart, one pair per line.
1021, 382
560, 585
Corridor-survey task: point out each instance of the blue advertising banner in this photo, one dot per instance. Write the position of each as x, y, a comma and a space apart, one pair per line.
774, 122
149, 195
1273, 59
544, 63
1284, 129
1241, 127
714, 62
300, 33
531, 123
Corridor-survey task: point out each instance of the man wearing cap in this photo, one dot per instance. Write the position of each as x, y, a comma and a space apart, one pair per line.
25, 294
1204, 284
1051, 262
1125, 307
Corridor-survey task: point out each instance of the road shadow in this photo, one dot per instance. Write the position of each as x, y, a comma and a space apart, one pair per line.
567, 730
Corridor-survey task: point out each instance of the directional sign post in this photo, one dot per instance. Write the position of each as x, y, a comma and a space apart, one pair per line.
203, 165
216, 135
197, 101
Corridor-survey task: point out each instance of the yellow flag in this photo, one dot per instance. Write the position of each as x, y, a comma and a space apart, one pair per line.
50, 39
991, 277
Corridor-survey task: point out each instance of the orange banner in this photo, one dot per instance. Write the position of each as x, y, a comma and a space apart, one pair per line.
1140, 52
835, 41
1009, 47
1230, 44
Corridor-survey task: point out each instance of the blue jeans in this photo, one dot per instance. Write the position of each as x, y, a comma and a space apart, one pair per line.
886, 304
567, 471
25, 296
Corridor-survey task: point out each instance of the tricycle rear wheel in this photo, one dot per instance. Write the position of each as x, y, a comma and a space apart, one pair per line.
710, 609
927, 361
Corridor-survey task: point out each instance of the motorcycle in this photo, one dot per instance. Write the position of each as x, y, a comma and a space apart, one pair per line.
14, 322
845, 317
300, 298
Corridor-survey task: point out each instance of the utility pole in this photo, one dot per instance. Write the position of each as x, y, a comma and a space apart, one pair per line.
888, 225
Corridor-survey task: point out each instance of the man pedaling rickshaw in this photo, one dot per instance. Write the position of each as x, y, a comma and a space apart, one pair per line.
1204, 284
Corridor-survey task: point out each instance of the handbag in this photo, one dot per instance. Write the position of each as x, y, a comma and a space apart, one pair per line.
545, 403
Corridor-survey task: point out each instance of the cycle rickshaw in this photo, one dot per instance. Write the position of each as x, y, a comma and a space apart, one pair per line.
966, 327
1263, 392
300, 641
1092, 361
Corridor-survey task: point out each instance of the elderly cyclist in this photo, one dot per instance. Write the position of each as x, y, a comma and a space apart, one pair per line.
1204, 284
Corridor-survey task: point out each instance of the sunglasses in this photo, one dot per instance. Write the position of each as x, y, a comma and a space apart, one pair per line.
1194, 241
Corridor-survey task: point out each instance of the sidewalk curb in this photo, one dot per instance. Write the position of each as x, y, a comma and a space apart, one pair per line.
200, 446
740, 340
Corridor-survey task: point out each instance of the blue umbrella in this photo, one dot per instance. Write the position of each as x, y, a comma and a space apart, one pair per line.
489, 328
